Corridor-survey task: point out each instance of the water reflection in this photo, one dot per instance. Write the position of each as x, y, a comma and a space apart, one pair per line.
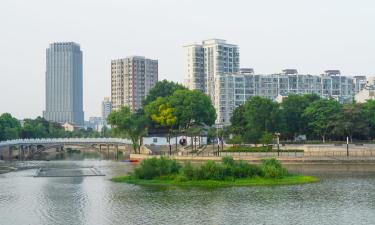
345, 195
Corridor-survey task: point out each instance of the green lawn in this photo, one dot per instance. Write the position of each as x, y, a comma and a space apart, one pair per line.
288, 180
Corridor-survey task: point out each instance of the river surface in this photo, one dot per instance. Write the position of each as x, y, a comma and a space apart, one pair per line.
345, 195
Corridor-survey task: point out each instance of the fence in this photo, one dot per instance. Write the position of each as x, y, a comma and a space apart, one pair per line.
314, 154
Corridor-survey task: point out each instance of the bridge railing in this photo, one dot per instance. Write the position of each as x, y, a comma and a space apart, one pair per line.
64, 140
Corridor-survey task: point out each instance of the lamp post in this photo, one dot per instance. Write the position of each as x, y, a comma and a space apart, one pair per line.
218, 140
278, 143
170, 146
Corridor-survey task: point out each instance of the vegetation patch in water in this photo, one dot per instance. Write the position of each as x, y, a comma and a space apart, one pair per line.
164, 171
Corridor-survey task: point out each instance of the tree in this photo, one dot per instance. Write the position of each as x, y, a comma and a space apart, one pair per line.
192, 107
9, 127
129, 125
267, 139
162, 89
292, 109
238, 120
181, 111
352, 120
321, 116
369, 110
236, 140
161, 113
35, 128
261, 115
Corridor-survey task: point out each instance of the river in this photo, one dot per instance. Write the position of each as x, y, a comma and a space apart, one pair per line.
345, 195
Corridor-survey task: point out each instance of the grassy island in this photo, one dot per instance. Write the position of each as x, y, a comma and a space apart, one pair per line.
167, 172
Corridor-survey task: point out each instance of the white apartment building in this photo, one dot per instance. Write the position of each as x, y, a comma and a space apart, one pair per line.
213, 67
235, 89
131, 80
206, 64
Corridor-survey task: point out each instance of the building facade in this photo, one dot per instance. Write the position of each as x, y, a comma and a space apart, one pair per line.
106, 107
131, 80
64, 86
235, 89
207, 64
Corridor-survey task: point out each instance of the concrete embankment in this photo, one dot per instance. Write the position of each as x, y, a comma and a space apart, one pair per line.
285, 160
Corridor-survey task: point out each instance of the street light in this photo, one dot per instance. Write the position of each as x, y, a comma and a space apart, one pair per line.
217, 136
278, 143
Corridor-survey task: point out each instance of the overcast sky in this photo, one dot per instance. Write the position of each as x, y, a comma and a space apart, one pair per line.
309, 35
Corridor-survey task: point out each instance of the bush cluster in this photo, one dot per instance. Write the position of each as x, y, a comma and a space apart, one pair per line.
154, 167
273, 169
209, 170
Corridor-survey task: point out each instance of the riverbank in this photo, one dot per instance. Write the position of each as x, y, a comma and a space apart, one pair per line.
245, 182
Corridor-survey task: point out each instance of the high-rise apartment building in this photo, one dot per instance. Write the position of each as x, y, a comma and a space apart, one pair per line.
237, 88
131, 80
64, 87
213, 67
106, 107
207, 64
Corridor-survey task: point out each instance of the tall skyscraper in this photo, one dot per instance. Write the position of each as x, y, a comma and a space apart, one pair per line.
131, 80
64, 91
106, 107
207, 64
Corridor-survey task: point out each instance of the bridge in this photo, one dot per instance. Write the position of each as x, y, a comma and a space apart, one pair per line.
27, 147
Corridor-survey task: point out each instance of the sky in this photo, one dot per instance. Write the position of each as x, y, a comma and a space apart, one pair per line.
311, 36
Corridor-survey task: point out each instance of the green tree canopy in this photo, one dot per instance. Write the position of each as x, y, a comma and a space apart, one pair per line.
162, 89
292, 109
182, 109
369, 110
10, 127
352, 120
192, 107
261, 115
238, 120
126, 124
321, 116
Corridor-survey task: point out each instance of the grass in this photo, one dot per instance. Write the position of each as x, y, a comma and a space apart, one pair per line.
242, 182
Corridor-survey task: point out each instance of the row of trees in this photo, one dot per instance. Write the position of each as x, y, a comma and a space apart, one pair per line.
173, 109
307, 115
10, 128
169, 107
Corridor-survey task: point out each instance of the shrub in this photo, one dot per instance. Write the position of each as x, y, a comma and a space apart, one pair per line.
165, 168
210, 170
244, 169
188, 171
273, 169
228, 160
151, 168
146, 169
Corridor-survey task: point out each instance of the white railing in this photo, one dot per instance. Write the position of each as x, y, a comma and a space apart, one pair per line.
65, 141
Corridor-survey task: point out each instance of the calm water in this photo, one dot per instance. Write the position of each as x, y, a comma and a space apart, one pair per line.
345, 195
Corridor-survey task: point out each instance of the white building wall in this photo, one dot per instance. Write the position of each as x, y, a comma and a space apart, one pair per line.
163, 141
